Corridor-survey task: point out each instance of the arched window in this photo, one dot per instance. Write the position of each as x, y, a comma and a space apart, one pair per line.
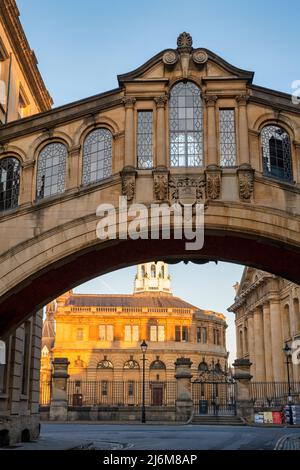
97, 156
203, 367
246, 339
241, 343
286, 322
157, 365
153, 270
218, 368
131, 364
51, 170
143, 271
162, 271
297, 315
105, 364
276, 152
9, 183
186, 125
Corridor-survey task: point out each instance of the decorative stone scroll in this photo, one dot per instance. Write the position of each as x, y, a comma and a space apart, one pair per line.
245, 182
213, 182
128, 176
160, 183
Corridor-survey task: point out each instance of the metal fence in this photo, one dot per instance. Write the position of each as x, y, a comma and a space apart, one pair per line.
214, 398
45, 393
120, 393
274, 394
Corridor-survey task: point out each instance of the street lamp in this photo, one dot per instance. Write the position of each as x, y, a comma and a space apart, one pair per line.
287, 351
144, 347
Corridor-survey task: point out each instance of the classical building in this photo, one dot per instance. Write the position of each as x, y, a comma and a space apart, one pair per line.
100, 335
267, 316
22, 93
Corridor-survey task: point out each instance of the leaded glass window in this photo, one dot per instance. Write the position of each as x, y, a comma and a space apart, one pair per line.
97, 156
51, 170
9, 183
144, 139
276, 152
227, 138
186, 125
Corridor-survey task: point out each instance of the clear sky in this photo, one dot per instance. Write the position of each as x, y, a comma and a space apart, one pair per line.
82, 46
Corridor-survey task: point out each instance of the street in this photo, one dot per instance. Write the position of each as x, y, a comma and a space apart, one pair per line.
157, 437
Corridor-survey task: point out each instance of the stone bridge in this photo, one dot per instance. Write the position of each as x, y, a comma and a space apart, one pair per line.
184, 127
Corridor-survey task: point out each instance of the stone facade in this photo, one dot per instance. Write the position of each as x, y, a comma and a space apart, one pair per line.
22, 94
100, 335
267, 316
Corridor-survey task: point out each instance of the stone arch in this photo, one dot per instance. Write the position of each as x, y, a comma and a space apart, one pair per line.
87, 126
14, 151
272, 119
45, 138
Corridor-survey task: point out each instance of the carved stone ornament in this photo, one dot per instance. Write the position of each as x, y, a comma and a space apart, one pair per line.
128, 176
213, 183
160, 183
199, 56
170, 57
210, 100
187, 190
129, 101
161, 101
184, 42
246, 182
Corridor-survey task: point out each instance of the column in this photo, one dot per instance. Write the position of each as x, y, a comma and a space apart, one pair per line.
268, 343
251, 344
59, 398
244, 154
260, 372
161, 154
212, 153
26, 183
72, 177
129, 132
238, 341
244, 405
183, 375
277, 342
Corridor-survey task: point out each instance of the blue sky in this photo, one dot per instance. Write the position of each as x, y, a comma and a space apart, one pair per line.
82, 46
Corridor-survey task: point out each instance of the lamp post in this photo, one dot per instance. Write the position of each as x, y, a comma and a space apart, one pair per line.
287, 351
144, 347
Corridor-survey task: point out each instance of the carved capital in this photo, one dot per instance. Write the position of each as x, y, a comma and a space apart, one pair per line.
186, 189
246, 182
74, 151
210, 100
160, 183
3, 148
161, 101
128, 176
242, 100
213, 182
28, 165
129, 101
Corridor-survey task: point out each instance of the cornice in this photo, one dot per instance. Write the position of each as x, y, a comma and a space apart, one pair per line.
9, 15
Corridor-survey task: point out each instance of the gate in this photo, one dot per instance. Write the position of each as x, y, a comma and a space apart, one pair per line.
214, 396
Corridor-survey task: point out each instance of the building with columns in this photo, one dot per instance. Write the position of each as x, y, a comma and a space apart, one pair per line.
100, 335
267, 316
22, 94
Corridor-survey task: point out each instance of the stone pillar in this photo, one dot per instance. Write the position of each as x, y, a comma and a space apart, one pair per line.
161, 154
244, 154
277, 342
242, 376
129, 132
73, 177
212, 153
27, 173
268, 343
251, 344
260, 372
183, 375
59, 398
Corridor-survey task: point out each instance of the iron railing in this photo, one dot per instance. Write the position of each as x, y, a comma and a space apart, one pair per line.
45, 393
120, 393
274, 394
214, 398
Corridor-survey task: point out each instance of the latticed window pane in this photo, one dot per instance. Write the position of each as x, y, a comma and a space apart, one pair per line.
97, 156
51, 170
186, 125
9, 183
144, 139
227, 138
276, 151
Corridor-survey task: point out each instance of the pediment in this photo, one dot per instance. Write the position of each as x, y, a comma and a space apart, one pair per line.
185, 61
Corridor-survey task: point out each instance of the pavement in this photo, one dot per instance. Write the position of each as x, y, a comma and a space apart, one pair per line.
58, 436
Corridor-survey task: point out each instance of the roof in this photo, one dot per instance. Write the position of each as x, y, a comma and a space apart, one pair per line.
130, 300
